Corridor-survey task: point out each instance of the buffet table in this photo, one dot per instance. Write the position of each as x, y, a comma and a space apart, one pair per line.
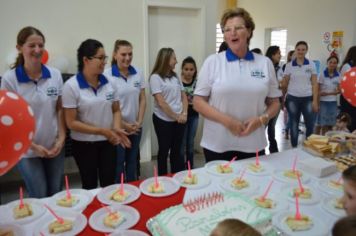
150, 206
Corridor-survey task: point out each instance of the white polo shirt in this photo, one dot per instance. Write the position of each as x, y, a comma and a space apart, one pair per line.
344, 69
42, 96
237, 87
328, 84
300, 78
94, 106
128, 90
171, 90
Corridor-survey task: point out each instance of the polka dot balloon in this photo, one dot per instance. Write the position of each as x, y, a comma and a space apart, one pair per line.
348, 86
17, 125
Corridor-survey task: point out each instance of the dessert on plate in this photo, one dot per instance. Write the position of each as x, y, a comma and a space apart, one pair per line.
223, 169
22, 211
335, 184
113, 219
118, 197
255, 168
294, 224
338, 204
193, 179
305, 194
264, 203
57, 227
293, 174
239, 183
152, 188
67, 201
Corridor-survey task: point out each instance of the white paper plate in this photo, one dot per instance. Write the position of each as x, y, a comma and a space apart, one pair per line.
280, 204
105, 194
328, 205
16, 229
267, 168
96, 220
203, 179
129, 233
323, 185
37, 208
171, 186
211, 168
78, 219
319, 228
84, 197
288, 193
279, 175
251, 189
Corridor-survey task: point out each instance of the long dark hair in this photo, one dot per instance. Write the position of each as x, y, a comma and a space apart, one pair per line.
271, 50
22, 37
350, 57
190, 60
88, 48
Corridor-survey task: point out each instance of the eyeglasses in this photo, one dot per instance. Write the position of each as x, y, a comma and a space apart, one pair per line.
101, 58
234, 28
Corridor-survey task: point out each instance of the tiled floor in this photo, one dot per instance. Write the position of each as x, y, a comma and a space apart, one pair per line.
9, 190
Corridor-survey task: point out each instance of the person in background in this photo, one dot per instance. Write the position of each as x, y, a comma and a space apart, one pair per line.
329, 88
223, 46
273, 53
349, 198
348, 62
169, 111
301, 85
130, 86
232, 126
41, 86
343, 120
188, 77
286, 119
345, 226
92, 113
257, 50
234, 227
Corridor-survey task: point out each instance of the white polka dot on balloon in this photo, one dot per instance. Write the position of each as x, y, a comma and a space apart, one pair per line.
342, 90
30, 110
3, 164
30, 136
17, 146
7, 120
344, 78
353, 73
12, 95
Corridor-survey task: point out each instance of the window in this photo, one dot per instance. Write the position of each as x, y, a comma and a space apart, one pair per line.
279, 38
219, 37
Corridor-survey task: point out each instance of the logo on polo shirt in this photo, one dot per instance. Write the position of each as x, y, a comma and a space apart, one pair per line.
308, 71
109, 96
258, 74
137, 84
52, 92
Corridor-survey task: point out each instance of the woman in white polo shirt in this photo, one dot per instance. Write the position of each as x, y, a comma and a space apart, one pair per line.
300, 82
130, 86
237, 92
41, 86
92, 113
169, 111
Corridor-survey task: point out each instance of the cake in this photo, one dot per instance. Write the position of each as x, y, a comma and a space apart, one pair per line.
193, 179
335, 185
239, 183
118, 197
152, 188
255, 168
293, 174
5, 232
22, 212
223, 169
306, 194
57, 227
67, 202
338, 204
113, 220
294, 224
265, 203
206, 212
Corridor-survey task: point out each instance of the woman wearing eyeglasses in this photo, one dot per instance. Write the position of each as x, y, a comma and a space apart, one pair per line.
92, 113
130, 86
237, 93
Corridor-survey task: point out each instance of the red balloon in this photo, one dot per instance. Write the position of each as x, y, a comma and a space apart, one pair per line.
17, 125
348, 86
45, 57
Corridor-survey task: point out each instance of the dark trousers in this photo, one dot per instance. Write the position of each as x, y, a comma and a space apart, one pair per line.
271, 132
170, 139
95, 159
227, 156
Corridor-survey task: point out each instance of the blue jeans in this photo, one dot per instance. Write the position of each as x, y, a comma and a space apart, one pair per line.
42, 176
127, 159
188, 139
297, 106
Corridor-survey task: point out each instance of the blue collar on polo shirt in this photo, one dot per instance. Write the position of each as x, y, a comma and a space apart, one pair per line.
22, 77
326, 74
230, 56
116, 72
294, 62
84, 84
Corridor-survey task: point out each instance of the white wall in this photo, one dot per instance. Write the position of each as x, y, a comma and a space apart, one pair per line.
305, 20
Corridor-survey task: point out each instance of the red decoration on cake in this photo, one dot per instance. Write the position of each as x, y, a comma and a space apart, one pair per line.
203, 201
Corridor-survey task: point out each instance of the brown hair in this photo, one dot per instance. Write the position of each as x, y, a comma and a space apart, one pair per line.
350, 57
238, 12
22, 37
161, 66
234, 227
344, 117
345, 226
119, 43
350, 174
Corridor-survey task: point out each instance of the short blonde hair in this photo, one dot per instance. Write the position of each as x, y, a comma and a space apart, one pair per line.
234, 227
